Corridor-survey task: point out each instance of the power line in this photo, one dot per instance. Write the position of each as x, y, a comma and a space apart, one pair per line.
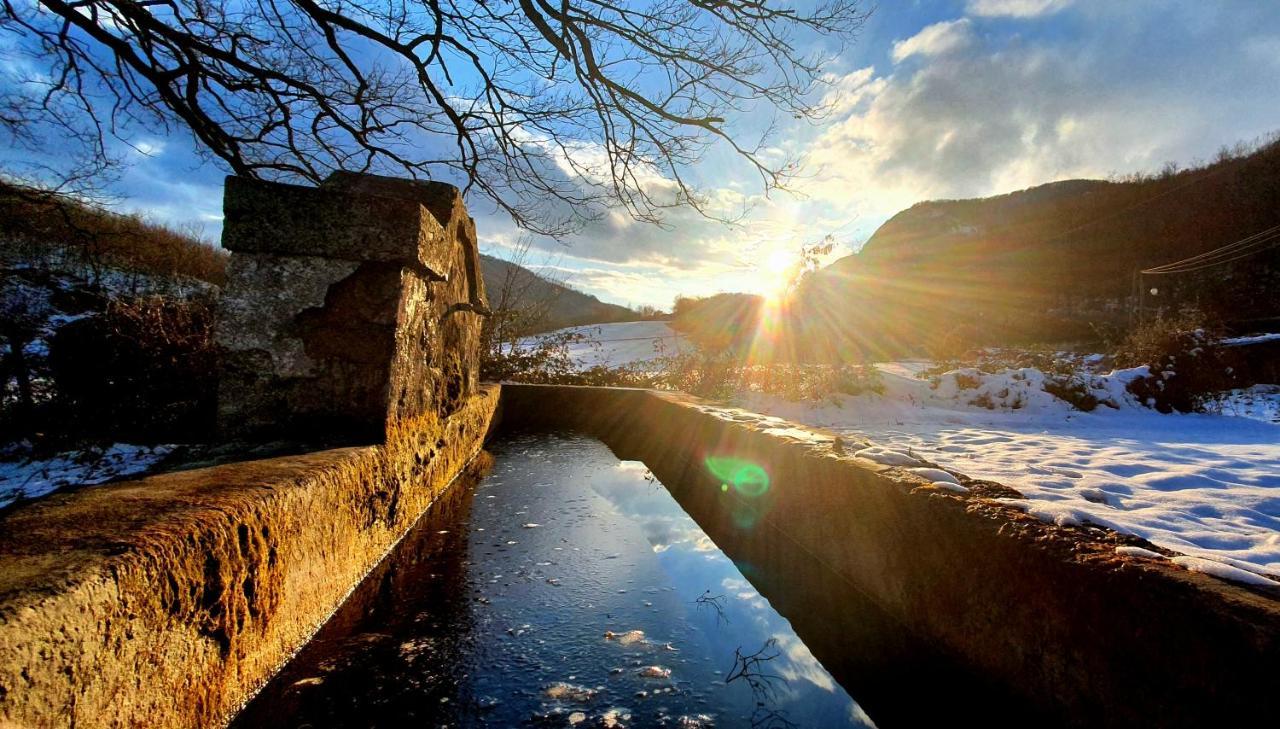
637, 339
629, 339
1218, 252
1203, 266
1243, 248
1221, 252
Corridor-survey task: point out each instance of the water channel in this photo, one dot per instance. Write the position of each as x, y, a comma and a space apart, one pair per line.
565, 588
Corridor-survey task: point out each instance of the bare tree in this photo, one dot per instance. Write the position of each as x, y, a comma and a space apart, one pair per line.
520, 303
553, 110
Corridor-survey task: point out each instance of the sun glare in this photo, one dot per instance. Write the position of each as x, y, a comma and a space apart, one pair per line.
775, 270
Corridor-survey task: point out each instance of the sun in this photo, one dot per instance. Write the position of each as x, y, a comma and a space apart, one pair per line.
776, 271
778, 261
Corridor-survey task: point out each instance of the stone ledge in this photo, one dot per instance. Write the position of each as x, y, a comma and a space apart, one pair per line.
351, 217
906, 592
167, 601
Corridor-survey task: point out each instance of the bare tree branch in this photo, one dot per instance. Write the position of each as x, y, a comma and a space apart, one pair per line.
555, 111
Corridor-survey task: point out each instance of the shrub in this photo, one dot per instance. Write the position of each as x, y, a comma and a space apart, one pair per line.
709, 373
1187, 365
543, 359
143, 370
1073, 391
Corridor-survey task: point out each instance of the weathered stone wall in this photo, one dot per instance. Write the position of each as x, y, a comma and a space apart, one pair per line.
352, 311
167, 601
348, 309
928, 605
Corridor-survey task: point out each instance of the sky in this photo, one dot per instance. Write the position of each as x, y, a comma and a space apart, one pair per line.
932, 99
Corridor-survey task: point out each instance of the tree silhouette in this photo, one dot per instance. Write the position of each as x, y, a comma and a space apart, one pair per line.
553, 110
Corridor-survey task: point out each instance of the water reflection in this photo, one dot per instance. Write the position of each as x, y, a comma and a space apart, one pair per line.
576, 593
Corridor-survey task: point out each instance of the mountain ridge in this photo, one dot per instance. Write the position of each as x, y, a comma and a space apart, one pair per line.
564, 306
1058, 261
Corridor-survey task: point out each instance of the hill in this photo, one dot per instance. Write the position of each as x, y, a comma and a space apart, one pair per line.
559, 305
56, 229
1060, 261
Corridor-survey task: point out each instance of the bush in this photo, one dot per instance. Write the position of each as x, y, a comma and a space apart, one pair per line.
543, 359
144, 370
1073, 391
708, 373
1187, 364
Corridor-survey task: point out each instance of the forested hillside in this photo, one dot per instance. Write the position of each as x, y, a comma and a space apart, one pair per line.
558, 305
1061, 261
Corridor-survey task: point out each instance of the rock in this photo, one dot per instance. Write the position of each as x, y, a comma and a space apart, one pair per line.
561, 691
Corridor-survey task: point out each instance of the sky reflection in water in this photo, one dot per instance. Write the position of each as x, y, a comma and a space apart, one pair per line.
558, 591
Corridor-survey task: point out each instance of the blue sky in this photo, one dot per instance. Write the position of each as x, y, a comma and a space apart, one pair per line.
949, 99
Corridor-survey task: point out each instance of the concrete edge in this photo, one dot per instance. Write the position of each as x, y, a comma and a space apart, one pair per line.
168, 601
1072, 632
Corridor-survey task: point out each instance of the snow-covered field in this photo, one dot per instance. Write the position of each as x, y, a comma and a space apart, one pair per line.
1203, 485
1260, 402
626, 343
1207, 486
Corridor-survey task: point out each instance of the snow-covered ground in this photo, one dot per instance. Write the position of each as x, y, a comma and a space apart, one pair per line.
1207, 486
24, 478
1203, 485
624, 344
1260, 402
49, 297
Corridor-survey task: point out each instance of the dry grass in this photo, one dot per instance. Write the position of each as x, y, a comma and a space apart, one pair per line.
45, 225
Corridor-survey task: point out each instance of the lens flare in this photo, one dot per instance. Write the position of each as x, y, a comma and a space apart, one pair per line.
746, 477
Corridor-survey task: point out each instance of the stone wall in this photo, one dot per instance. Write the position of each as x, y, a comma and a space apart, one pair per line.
352, 312
929, 605
168, 601
349, 309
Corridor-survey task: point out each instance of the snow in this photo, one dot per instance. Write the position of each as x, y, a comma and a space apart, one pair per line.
934, 474
1224, 571
887, 456
1129, 551
1207, 486
1203, 485
623, 344
1259, 402
25, 478
1254, 339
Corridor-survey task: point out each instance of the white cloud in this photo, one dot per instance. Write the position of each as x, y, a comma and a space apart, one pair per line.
149, 147
993, 116
1015, 8
935, 40
846, 92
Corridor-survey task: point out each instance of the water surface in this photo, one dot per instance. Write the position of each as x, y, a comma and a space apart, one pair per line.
566, 588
